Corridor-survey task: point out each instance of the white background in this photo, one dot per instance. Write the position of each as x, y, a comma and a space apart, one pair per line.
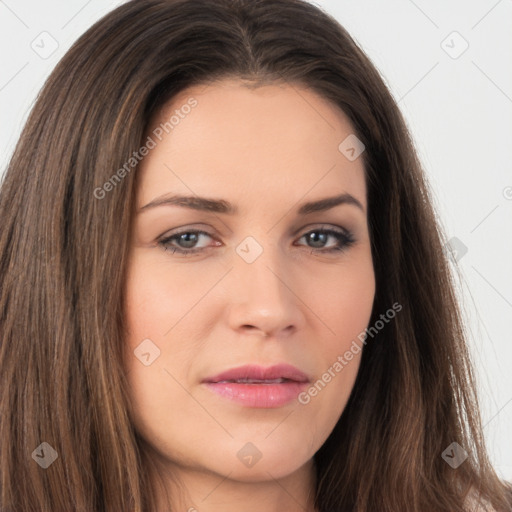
458, 109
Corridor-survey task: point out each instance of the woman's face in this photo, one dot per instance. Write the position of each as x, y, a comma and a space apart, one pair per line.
257, 282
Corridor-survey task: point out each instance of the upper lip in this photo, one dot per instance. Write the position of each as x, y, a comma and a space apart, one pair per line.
260, 373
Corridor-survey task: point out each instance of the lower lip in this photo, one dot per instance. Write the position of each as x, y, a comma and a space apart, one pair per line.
258, 395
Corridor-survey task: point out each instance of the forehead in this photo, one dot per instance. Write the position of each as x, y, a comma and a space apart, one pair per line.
271, 141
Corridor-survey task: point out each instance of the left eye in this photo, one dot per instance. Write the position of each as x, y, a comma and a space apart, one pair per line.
189, 239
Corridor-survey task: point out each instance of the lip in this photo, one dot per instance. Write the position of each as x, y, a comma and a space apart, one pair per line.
275, 385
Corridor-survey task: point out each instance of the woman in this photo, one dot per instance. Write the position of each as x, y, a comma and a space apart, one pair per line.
223, 283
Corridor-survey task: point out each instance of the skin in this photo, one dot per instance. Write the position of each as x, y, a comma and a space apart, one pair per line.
267, 151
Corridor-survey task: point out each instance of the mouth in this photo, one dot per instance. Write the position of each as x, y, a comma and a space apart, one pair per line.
259, 387
255, 381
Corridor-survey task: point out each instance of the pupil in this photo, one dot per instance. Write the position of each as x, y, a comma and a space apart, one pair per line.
314, 238
186, 237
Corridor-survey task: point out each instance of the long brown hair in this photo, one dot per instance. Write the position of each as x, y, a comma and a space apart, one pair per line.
63, 253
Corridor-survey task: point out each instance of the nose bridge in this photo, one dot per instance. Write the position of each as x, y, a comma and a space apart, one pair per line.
258, 264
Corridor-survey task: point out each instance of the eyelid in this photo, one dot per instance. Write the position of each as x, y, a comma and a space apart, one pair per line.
321, 226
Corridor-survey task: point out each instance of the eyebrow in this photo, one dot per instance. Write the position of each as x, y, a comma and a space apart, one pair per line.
222, 206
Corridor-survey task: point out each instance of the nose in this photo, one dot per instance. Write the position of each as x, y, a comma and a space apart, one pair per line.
265, 294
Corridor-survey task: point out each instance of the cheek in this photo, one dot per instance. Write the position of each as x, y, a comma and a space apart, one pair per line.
158, 297
148, 312
344, 304
155, 310
156, 301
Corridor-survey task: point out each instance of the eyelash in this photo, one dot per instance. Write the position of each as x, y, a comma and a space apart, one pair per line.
345, 238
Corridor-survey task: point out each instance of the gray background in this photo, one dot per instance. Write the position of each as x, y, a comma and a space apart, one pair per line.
456, 100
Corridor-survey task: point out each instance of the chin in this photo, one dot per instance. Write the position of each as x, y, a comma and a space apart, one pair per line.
263, 460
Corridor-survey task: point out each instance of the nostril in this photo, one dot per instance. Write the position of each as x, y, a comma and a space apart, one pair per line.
252, 328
